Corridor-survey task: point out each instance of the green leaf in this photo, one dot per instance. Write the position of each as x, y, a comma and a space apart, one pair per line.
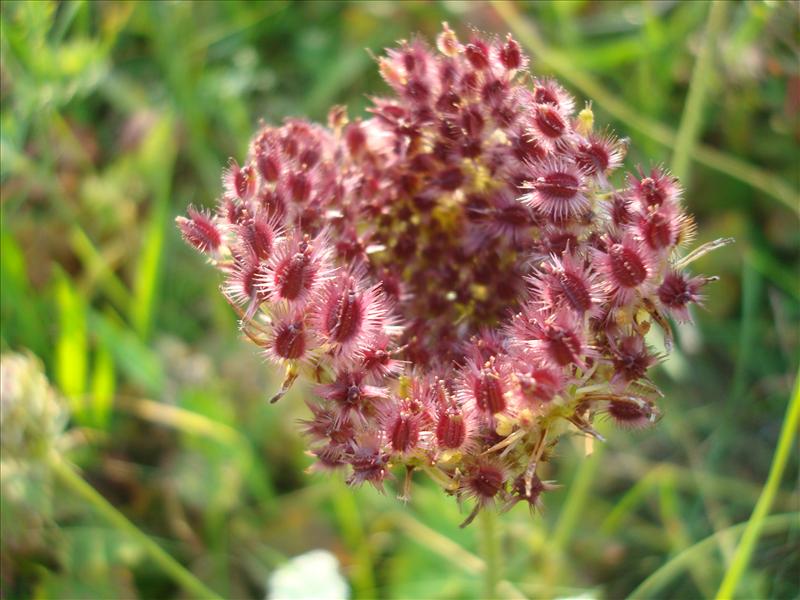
103, 387
134, 358
157, 156
72, 345
19, 306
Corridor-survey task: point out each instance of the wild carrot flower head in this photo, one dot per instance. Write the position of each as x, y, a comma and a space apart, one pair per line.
455, 273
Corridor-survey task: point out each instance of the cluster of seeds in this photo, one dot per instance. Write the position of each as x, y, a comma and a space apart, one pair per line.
456, 274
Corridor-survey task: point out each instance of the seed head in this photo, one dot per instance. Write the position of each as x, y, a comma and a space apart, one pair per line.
297, 269
631, 360
631, 412
199, 231
484, 387
455, 273
290, 338
625, 268
557, 190
484, 481
655, 189
678, 291
239, 182
511, 55
598, 155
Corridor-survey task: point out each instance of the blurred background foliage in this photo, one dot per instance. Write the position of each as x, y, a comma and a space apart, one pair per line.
116, 115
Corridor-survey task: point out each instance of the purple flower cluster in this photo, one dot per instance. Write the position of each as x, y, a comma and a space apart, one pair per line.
456, 274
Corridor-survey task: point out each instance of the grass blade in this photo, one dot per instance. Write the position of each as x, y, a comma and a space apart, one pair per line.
691, 119
758, 519
77, 485
675, 566
158, 156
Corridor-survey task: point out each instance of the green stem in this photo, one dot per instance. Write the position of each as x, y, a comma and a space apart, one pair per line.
689, 128
744, 550
70, 479
580, 493
491, 550
442, 545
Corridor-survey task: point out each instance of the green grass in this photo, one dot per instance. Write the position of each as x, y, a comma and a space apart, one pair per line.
115, 116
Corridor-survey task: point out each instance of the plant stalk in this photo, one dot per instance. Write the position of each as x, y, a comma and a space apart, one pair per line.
177, 572
491, 549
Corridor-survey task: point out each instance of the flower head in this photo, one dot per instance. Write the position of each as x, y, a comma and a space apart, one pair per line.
298, 268
455, 272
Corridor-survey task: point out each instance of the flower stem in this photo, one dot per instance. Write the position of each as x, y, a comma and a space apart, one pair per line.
70, 479
491, 549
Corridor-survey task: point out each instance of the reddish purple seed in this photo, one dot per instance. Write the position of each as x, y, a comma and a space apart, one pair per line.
511, 55
558, 185
299, 187
404, 433
450, 430
593, 158
674, 292
489, 392
261, 237
268, 166
573, 291
199, 230
652, 192
345, 317
356, 139
293, 276
486, 481
549, 121
628, 413
657, 231
244, 181
417, 90
290, 341
477, 55
541, 95
627, 267
493, 91
472, 121
562, 345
